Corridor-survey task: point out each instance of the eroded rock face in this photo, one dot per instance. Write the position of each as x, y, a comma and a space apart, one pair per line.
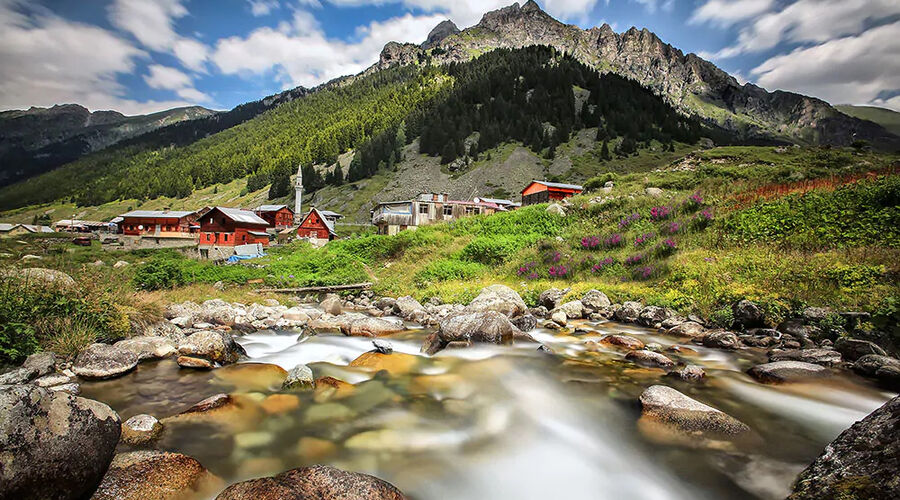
320, 482
862, 463
53, 445
490, 327
499, 298
103, 361
787, 371
155, 475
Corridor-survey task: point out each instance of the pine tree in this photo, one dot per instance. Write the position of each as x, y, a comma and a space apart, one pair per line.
281, 185
604, 151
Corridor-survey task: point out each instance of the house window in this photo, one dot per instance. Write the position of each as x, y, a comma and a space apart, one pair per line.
423, 208
448, 210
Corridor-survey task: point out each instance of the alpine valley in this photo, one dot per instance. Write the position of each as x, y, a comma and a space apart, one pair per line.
629, 93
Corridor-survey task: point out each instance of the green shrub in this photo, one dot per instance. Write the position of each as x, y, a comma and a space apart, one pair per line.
722, 317
448, 270
17, 341
493, 250
158, 273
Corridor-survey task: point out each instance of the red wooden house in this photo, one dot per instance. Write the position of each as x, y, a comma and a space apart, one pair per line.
545, 192
159, 223
278, 216
229, 227
317, 225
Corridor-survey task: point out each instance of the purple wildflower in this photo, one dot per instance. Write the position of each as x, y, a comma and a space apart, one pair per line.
590, 242
613, 241
643, 239
634, 260
673, 227
603, 264
660, 213
558, 271
629, 220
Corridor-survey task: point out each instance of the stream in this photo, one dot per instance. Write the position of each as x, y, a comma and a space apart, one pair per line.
493, 421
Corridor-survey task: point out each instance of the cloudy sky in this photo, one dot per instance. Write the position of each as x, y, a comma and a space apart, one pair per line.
139, 56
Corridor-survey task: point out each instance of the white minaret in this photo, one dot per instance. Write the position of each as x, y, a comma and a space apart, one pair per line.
298, 189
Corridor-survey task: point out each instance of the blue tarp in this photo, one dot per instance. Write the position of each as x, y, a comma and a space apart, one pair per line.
234, 259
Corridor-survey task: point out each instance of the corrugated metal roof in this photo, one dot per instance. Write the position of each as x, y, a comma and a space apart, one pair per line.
7, 227
560, 185
329, 213
158, 214
270, 208
239, 215
117, 220
496, 201
258, 233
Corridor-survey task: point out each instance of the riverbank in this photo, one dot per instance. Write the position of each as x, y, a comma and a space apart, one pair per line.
221, 380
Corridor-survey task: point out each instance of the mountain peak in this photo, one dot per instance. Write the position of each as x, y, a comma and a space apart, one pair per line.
531, 6
439, 33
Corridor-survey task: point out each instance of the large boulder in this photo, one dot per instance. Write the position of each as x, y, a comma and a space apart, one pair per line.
216, 347
748, 315
573, 309
408, 308
104, 361
490, 327
331, 304
320, 482
883, 368
671, 416
595, 300
721, 339
53, 445
824, 357
372, 327
654, 316
687, 329
862, 463
629, 312
787, 371
552, 297
148, 348
156, 475
853, 349
37, 276
42, 362
499, 298
649, 358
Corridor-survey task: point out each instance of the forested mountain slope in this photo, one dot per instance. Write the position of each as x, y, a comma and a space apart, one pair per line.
36, 140
687, 82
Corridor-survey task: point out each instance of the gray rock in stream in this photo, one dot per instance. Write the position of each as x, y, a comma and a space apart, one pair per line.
687, 417
53, 445
491, 327
862, 463
787, 371
103, 361
300, 377
151, 475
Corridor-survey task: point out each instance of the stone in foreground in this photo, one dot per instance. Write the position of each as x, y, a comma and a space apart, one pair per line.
862, 463
670, 416
141, 429
156, 475
490, 327
319, 482
53, 445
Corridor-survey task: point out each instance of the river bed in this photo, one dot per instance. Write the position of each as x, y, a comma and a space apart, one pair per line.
494, 421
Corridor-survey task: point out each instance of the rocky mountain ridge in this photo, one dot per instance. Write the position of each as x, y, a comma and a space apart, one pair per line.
38, 139
691, 84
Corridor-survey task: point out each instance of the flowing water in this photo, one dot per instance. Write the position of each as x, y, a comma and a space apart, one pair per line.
493, 421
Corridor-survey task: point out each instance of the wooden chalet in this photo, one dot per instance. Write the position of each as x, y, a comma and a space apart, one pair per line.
395, 216
545, 192
278, 216
230, 227
318, 225
177, 224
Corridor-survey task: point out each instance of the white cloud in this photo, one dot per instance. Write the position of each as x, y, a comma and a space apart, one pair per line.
808, 21
261, 8
164, 77
728, 12
854, 69
193, 95
152, 23
301, 54
890, 103
48, 60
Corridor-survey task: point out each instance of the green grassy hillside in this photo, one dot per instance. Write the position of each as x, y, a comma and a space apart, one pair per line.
887, 118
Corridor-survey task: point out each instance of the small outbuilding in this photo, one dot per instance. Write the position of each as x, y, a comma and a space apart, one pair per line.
278, 216
545, 192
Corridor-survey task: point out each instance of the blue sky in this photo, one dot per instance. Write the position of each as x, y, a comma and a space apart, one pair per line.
139, 56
